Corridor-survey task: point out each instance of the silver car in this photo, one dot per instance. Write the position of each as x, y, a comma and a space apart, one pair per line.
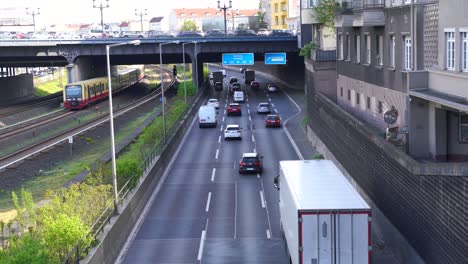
263, 108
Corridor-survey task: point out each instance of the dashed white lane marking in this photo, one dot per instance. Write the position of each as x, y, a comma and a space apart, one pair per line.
248, 111
255, 150
250, 118
224, 112
253, 138
208, 201
269, 99
262, 199
221, 129
202, 244
217, 154
223, 118
213, 174
276, 111
248, 106
272, 104
235, 213
219, 139
268, 233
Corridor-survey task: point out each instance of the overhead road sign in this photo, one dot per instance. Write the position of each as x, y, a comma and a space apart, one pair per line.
238, 59
275, 58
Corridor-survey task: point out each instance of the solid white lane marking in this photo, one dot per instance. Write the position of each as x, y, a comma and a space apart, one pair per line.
262, 199
268, 233
208, 201
293, 143
202, 244
217, 153
213, 174
235, 212
219, 139
266, 207
253, 138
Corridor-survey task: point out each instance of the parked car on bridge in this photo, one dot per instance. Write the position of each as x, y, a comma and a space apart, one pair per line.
214, 33
93, 33
190, 34
245, 32
5, 35
132, 34
280, 33
41, 35
263, 32
159, 34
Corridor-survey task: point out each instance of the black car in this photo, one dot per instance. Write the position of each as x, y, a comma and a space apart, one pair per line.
251, 162
218, 86
214, 33
280, 33
189, 34
245, 32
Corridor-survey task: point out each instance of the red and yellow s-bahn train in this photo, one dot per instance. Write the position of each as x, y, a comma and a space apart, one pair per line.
80, 94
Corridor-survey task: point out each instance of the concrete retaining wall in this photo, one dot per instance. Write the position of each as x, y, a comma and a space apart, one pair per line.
16, 87
116, 233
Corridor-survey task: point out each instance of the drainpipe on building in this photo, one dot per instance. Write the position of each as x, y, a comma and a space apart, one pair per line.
413, 38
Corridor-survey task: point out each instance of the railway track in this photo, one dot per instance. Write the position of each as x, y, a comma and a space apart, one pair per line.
31, 150
23, 107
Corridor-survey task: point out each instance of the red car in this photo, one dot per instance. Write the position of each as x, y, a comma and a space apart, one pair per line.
254, 85
234, 109
273, 121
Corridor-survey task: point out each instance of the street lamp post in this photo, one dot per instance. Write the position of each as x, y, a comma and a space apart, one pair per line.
162, 86
34, 13
101, 7
224, 8
234, 13
141, 13
111, 118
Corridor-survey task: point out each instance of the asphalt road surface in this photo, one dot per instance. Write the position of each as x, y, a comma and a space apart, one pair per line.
205, 211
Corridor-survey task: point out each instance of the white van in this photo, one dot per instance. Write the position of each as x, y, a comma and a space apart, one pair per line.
238, 97
207, 116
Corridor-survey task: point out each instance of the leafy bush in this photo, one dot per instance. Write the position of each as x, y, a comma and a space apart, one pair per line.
306, 51
318, 157
26, 249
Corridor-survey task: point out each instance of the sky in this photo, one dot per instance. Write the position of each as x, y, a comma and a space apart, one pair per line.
76, 11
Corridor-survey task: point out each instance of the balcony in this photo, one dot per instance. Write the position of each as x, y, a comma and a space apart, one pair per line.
323, 55
368, 13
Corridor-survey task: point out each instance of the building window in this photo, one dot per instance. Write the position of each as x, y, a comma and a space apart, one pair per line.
368, 103
276, 8
283, 20
450, 47
357, 48
276, 20
463, 128
340, 45
379, 49
284, 7
348, 55
408, 63
367, 39
358, 98
465, 51
341, 91
380, 107
349, 95
392, 51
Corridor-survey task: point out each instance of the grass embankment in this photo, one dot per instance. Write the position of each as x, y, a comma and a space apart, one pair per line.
72, 211
45, 86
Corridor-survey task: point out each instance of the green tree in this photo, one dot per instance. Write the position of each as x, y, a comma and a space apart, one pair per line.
62, 234
25, 208
189, 25
306, 51
325, 12
26, 249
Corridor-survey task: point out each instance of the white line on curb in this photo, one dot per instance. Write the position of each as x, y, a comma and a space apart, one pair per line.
208, 201
213, 174
202, 244
262, 199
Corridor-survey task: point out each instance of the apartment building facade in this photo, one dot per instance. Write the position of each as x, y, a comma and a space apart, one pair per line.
279, 14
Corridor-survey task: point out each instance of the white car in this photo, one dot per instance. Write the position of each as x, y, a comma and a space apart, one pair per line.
272, 88
232, 131
263, 108
213, 102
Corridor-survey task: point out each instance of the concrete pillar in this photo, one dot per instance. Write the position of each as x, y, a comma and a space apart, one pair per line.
441, 134
197, 72
16, 87
70, 73
419, 128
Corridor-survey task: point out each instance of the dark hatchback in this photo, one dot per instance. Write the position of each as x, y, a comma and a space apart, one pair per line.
251, 162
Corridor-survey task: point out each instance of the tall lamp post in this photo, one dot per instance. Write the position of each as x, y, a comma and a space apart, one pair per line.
224, 8
111, 118
162, 86
234, 13
101, 7
34, 13
141, 13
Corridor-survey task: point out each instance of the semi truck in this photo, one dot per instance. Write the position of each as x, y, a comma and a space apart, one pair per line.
323, 218
217, 77
249, 76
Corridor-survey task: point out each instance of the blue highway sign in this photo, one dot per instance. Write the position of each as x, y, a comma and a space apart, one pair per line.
238, 59
275, 58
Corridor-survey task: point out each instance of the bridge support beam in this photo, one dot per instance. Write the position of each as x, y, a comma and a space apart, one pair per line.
15, 88
197, 71
86, 68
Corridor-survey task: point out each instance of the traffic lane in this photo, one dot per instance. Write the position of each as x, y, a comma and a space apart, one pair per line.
163, 251
221, 211
275, 146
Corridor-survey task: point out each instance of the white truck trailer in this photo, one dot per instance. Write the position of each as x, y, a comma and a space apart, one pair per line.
323, 218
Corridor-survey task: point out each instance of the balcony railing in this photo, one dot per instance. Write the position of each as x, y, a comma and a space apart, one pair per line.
368, 4
324, 55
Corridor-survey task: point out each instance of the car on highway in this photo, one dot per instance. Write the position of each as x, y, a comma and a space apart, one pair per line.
132, 34
94, 33
218, 86
159, 34
214, 33
233, 80
232, 131
273, 120
235, 87
239, 97
41, 35
272, 88
5, 35
263, 32
224, 72
280, 33
254, 85
213, 102
251, 162
263, 108
189, 34
234, 109
245, 32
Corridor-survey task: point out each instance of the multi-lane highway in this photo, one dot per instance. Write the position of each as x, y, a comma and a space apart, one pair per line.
205, 211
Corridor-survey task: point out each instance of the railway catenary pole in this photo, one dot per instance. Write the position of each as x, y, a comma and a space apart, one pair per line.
163, 100
34, 13
141, 14
224, 8
101, 7
111, 119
